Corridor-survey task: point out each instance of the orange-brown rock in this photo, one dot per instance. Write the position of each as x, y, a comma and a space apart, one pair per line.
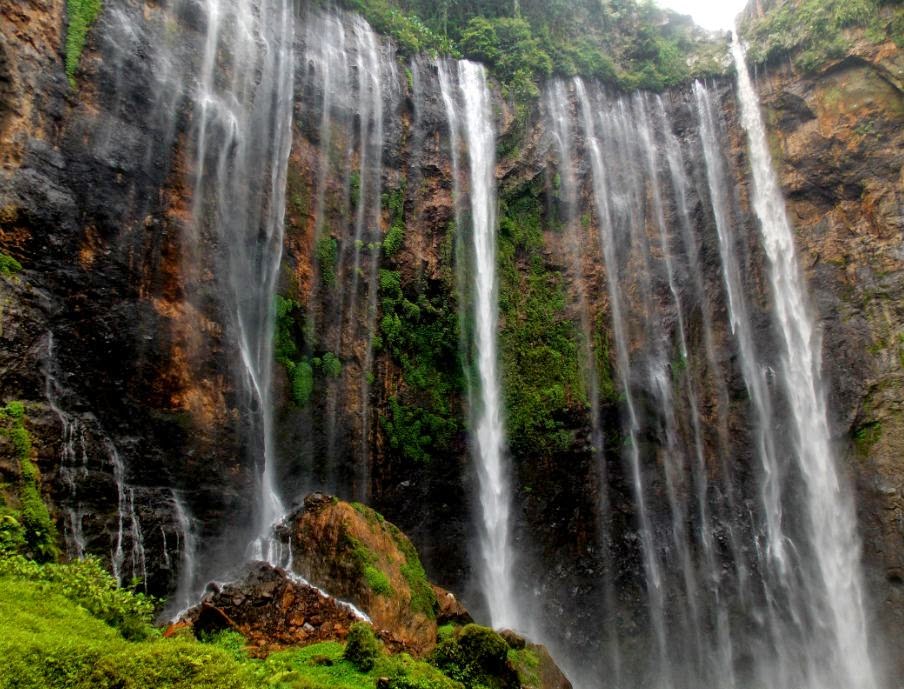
272, 610
449, 608
352, 552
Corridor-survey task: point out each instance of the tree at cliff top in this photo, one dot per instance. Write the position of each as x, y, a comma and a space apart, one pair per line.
812, 33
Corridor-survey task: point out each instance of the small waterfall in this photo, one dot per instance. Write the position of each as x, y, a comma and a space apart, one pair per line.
187, 547
837, 640
77, 431
73, 455
242, 138
472, 115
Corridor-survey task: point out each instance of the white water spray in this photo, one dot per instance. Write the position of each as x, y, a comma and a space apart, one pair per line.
840, 622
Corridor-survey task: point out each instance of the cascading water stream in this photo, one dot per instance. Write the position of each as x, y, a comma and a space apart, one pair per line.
840, 635
350, 78
476, 123
608, 217
242, 138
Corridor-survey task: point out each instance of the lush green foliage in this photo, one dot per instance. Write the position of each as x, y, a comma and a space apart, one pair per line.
81, 15
31, 526
411, 34
9, 265
301, 369
541, 372
421, 334
627, 43
62, 627
52, 641
813, 32
362, 647
87, 584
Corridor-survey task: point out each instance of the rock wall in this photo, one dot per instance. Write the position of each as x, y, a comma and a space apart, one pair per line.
129, 386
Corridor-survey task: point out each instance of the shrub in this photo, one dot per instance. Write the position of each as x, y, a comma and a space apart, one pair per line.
331, 365
38, 530
302, 383
362, 647
477, 657
393, 240
327, 253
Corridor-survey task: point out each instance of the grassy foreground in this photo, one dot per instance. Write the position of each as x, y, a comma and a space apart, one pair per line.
69, 626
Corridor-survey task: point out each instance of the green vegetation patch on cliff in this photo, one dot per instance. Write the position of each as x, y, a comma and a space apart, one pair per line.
69, 626
814, 32
9, 266
30, 527
419, 329
538, 343
302, 370
80, 14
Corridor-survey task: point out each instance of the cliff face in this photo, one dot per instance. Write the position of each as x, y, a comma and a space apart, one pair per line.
115, 335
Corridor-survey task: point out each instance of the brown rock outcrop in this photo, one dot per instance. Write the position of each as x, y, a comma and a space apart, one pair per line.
272, 610
353, 553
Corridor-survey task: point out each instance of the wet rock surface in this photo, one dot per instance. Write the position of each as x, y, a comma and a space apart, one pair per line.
272, 609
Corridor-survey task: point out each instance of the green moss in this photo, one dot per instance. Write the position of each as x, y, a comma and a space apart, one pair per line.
541, 371
302, 383
81, 14
366, 562
866, 436
475, 656
8, 265
527, 664
423, 599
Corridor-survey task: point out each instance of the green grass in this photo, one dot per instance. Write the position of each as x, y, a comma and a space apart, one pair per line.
52, 636
81, 15
48, 641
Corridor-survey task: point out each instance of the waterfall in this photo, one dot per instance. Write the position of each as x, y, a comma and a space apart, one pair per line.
838, 653
187, 547
242, 138
473, 116
350, 78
